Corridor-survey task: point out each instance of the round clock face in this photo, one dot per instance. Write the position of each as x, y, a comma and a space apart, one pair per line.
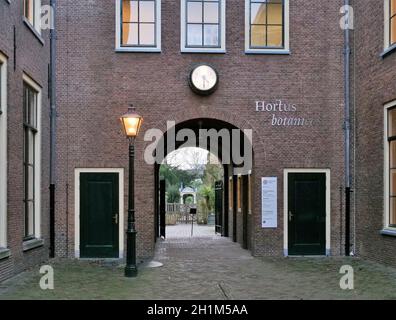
203, 79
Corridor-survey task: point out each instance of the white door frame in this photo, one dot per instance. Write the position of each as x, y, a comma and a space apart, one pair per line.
77, 173
286, 209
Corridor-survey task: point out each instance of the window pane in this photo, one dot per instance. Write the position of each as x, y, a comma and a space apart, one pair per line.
211, 37
146, 11
130, 33
32, 109
393, 7
392, 154
258, 14
392, 212
30, 183
274, 34
392, 182
393, 31
392, 122
30, 147
211, 11
30, 218
147, 34
275, 15
194, 35
129, 11
258, 36
29, 10
194, 12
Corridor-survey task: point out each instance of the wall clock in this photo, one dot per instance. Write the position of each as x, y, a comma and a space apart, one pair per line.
203, 79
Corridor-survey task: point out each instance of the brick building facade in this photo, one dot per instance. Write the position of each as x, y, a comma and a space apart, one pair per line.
98, 78
375, 65
24, 60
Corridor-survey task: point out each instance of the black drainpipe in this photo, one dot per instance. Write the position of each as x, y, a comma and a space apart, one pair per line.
347, 130
52, 128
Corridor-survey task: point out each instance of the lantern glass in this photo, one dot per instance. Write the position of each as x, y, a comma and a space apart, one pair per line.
131, 123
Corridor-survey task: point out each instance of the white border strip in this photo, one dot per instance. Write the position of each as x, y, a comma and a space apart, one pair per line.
77, 173
286, 209
3, 153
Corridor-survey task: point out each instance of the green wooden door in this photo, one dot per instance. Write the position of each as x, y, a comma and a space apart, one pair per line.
307, 213
99, 215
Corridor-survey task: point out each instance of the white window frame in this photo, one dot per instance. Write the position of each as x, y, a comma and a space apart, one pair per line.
120, 48
37, 183
183, 33
285, 50
386, 168
3, 153
387, 36
37, 16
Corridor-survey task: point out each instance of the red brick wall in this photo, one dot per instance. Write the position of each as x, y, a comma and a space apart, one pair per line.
375, 86
96, 85
32, 57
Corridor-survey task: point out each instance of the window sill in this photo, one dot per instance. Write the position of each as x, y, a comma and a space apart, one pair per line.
4, 253
32, 244
388, 51
388, 232
33, 30
142, 49
203, 50
265, 51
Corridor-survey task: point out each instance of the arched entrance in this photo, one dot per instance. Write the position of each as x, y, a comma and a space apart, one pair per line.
233, 194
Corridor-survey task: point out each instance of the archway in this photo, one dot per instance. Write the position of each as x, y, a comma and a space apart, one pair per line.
233, 148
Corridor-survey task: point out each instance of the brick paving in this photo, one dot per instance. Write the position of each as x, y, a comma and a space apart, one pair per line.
207, 266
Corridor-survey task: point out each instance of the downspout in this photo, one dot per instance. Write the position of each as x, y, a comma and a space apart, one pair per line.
52, 127
347, 129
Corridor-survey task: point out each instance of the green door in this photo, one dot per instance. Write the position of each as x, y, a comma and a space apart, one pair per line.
99, 213
307, 213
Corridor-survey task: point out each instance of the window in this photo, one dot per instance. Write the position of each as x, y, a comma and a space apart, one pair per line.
3, 152
138, 25
31, 158
390, 166
390, 23
31, 12
203, 26
267, 26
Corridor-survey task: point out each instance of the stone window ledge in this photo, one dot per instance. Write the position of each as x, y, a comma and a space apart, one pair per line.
4, 253
32, 244
388, 51
388, 232
33, 30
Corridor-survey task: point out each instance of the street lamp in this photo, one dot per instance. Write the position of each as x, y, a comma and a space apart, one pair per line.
131, 123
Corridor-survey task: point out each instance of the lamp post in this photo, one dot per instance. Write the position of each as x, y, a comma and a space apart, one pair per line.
131, 123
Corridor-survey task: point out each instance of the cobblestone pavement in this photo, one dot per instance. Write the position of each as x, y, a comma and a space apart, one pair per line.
207, 267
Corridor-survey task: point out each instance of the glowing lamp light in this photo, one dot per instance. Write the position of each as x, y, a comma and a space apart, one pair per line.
131, 123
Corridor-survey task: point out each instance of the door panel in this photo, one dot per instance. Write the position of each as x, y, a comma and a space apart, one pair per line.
99, 215
245, 208
307, 213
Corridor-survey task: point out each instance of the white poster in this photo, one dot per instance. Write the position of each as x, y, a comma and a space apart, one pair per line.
269, 202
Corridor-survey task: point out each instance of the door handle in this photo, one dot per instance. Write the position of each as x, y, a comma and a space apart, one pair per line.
290, 216
115, 218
